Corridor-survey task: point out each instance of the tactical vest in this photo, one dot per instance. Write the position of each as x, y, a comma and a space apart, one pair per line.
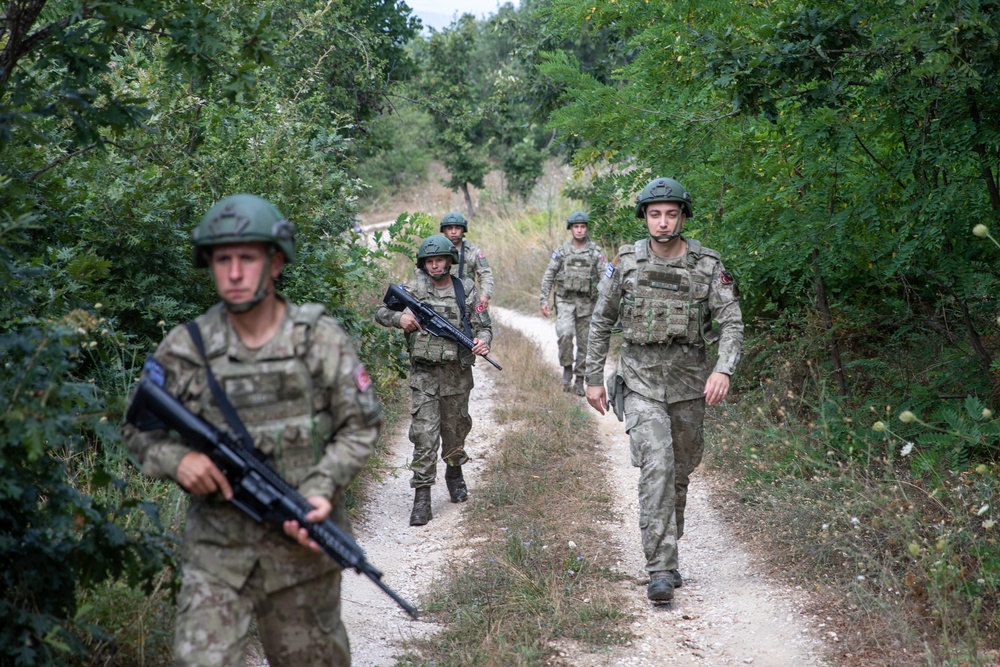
282, 404
578, 271
668, 304
426, 347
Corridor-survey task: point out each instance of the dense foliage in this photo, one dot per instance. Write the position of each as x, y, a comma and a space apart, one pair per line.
120, 124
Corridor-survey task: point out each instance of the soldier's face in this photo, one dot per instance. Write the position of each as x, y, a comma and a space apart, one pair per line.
437, 267
453, 232
240, 268
664, 218
579, 230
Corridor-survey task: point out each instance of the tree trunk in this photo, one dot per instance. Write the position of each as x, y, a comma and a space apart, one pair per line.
468, 199
824, 308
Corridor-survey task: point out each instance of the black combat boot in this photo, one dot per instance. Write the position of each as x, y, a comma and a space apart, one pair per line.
567, 378
421, 513
578, 387
661, 586
678, 582
456, 484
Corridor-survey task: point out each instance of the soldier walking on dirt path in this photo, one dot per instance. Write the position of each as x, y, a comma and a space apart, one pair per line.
667, 289
574, 270
292, 375
440, 371
471, 262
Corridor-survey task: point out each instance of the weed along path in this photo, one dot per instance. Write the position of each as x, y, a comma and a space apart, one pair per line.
726, 613
412, 559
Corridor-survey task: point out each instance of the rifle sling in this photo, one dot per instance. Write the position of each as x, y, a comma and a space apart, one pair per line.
460, 297
227, 409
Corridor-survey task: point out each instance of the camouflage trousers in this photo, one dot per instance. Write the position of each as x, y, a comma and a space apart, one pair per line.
439, 418
573, 319
298, 625
667, 442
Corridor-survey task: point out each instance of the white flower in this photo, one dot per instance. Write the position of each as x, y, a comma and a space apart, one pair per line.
572, 544
855, 521
907, 448
825, 526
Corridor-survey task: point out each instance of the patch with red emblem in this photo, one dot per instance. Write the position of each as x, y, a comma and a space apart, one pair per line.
480, 255
726, 278
480, 307
361, 378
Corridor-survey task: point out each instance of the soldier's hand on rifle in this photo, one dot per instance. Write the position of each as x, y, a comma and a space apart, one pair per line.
300, 534
597, 397
546, 310
197, 474
480, 347
408, 323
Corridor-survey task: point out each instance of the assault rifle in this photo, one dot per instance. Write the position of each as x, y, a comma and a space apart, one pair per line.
396, 298
258, 489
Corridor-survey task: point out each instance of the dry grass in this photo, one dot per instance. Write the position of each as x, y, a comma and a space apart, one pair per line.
526, 586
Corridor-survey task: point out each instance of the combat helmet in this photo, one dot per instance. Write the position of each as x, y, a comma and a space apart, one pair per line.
453, 218
435, 246
242, 219
577, 217
663, 189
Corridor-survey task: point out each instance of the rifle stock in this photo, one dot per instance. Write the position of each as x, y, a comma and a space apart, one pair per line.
258, 490
396, 298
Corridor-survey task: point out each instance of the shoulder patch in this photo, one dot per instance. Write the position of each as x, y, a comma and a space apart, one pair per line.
555, 254
726, 278
154, 371
480, 307
609, 270
361, 378
480, 255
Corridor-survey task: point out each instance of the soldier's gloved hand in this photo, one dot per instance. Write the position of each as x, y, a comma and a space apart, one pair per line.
716, 388
480, 347
597, 397
197, 474
546, 310
300, 534
408, 323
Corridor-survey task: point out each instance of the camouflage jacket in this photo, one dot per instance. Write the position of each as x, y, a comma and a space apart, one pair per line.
473, 263
308, 403
675, 369
573, 270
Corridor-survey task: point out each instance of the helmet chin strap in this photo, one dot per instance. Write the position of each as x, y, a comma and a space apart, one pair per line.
667, 238
259, 295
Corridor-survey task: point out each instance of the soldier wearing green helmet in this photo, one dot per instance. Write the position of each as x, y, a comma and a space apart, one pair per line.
295, 381
674, 298
440, 372
471, 261
574, 270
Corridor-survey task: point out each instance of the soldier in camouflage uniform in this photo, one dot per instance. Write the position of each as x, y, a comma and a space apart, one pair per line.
575, 269
471, 260
440, 372
295, 380
667, 289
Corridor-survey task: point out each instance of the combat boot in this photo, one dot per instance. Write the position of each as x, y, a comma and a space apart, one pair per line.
578, 387
661, 586
567, 378
678, 582
456, 484
421, 513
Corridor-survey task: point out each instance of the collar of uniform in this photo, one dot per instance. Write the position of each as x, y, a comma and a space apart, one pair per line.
280, 346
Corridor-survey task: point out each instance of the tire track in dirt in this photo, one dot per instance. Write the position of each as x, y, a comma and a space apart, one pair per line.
727, 612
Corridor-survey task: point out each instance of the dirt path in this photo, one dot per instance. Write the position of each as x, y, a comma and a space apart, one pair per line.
411, 558
727, 613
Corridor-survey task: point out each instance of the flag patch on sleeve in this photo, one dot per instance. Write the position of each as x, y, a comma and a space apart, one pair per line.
609, 270
480, 307
555, 254
361, 378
